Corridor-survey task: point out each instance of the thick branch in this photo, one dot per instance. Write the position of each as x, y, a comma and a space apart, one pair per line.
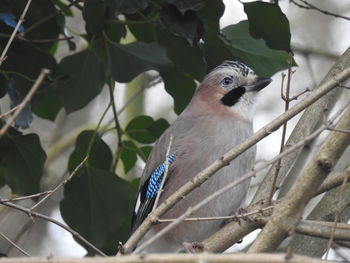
230, 155
287, 214
177, 258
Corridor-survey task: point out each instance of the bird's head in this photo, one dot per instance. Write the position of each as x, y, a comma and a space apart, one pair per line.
230, 88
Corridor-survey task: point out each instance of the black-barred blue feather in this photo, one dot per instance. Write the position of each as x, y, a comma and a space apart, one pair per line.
157, 177
148, 192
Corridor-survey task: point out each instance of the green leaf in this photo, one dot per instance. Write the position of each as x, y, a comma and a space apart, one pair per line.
22, 162
180, 87
267, 21
48, 105
82, 79
185, 25
187, 58
144, 152
211, 13
263, 60
128, 61
101, 157
94, 14
145, 130
97, 203
185, 5
127, 6
128, 155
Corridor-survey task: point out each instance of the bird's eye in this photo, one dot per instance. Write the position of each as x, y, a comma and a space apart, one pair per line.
227, 81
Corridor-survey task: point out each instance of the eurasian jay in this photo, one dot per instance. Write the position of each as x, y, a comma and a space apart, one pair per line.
219, 116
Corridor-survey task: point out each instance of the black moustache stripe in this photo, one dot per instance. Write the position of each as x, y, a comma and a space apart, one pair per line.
232, 97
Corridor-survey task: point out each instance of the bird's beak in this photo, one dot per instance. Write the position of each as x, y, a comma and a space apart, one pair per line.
258, 85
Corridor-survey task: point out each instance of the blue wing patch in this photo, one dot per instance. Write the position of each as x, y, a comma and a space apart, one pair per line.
157, 177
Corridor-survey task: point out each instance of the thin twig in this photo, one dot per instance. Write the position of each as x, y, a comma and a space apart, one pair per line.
259, 211
338, 130
117, 126
21, 198
25, 101
8, 112
65, 227
79, 166
206, 173
309, 6
284, 128
167, 162
15, 245
336, 220
19, 23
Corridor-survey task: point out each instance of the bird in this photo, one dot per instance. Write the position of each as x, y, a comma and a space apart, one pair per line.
218, 117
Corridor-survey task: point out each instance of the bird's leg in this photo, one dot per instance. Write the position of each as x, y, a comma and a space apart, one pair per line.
193, 247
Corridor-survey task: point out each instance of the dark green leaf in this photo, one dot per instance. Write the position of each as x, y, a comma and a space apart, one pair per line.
115, 32
38, 10
144, 152
145, 130
128, 6
128, 155
82, 79
128, 61
267, 21
263, 60
211, 13
185, 25
63, 6
180, 87
185, 5
186, 57
27, 60
90, 141
22, 162
94, 14
98, 205
48, 105
215, 49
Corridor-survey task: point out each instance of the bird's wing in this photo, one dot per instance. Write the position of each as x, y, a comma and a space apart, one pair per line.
152, 177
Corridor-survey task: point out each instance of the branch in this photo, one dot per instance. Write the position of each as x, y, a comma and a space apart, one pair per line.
25, 101
19, 23
14, 244
287, 214
64, 182
230, 155
309, 6
306, 124
335, 180
178, 258
30, 213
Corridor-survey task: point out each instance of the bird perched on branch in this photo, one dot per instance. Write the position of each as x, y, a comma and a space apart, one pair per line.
219, 116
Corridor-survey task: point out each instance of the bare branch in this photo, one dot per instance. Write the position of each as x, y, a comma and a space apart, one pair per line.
79, 166
30, 213
14, 244
178, 258
335, 180
288, 212
309, 6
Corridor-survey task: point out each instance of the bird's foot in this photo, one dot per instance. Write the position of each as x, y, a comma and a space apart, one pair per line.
193, 247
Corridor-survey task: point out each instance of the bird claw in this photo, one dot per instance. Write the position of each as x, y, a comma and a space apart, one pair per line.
193, 247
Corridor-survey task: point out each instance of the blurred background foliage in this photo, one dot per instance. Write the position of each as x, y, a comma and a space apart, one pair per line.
179, 41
